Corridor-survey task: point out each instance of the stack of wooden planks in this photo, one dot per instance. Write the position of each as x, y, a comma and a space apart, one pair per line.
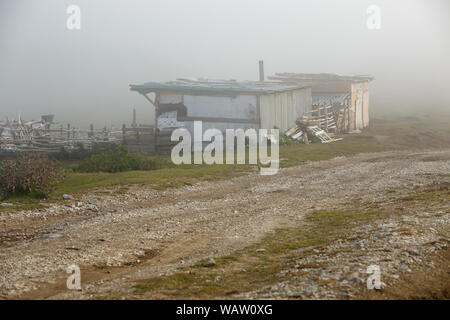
307, 128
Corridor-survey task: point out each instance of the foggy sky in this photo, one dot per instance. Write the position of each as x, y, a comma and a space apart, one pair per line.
83, 76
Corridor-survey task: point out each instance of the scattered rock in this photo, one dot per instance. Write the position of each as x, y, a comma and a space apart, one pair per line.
92, 208
53, 235
311, 290
260, 250
209, 263
67, 197
6, 204
355, 277
413, 252
381, 287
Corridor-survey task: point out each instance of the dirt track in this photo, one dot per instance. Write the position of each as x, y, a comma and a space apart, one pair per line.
146, 233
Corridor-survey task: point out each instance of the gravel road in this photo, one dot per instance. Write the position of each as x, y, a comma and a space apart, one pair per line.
117, 238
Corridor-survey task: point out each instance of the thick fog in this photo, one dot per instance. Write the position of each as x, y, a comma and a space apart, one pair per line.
83, 76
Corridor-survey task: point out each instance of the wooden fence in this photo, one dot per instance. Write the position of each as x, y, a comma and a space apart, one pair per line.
139, 139
146, 140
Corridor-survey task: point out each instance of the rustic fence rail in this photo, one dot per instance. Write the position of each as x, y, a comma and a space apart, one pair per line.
139, 139
53, 139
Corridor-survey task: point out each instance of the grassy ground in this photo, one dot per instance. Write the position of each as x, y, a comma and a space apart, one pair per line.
398, 133
177, 176
159, 179
21, 202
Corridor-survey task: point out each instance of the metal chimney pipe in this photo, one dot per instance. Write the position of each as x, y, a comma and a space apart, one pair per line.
261, 71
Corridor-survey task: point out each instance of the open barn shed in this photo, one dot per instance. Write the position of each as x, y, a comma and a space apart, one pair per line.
349, 95
224, 105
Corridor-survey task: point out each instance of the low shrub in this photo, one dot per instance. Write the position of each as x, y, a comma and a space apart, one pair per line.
284, 140
30, 173
80, 152
119, 160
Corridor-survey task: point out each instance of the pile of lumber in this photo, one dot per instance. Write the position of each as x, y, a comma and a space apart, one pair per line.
325, 117
332, 119
307, 128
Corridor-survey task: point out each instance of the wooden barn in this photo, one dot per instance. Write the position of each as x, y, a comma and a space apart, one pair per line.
223, 105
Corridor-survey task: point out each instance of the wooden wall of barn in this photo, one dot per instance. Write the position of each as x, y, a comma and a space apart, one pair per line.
360, 105
283, 109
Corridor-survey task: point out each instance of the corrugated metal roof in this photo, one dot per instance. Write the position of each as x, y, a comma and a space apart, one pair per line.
286, 76
329, 99
216, 86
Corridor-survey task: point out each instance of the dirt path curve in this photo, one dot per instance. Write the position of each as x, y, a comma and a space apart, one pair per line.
178, 227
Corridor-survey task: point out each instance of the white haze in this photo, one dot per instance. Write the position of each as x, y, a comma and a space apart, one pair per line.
82, 76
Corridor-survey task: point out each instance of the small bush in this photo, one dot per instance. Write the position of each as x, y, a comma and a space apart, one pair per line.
118, 160
80, 152
284, 140
31, 173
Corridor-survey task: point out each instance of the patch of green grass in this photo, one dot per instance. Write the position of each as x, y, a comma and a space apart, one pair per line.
159, 179
327, 220
352, 144
440, 192
21, 202
119, 159
178, 176
122, 190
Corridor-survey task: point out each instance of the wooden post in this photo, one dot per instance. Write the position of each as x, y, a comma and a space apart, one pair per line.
305, 137
318, 117
347, 120
344, 120
350, 122
134, 124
